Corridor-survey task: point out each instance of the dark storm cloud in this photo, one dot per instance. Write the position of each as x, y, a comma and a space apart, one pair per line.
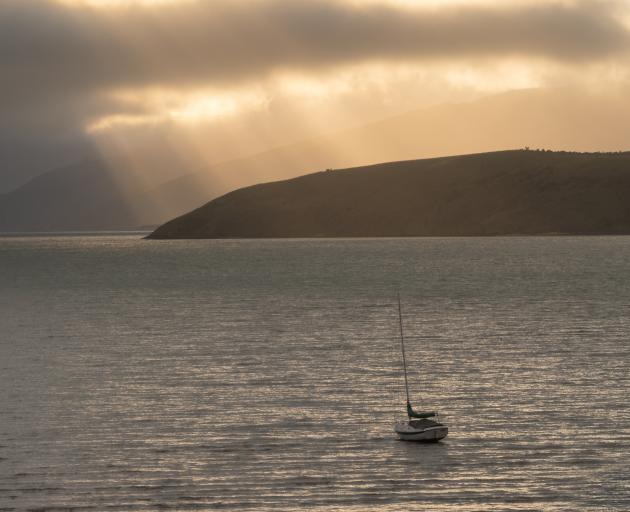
48, 50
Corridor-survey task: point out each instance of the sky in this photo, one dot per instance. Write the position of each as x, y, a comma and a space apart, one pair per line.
208, 81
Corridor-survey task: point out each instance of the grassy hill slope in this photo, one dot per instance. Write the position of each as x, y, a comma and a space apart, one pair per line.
500, 193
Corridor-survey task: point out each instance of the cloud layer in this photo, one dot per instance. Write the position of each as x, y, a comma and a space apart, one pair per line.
60, 63
51, 49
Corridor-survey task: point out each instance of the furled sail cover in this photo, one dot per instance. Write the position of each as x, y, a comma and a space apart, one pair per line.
413, 414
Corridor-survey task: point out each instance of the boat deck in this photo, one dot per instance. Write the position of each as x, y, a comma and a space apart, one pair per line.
424, 423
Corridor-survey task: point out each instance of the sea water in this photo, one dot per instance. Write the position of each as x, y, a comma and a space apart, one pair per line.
266, 374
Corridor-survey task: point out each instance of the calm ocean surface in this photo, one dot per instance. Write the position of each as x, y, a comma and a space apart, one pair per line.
266, 375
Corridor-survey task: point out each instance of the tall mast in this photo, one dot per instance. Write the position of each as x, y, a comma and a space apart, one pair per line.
402, 345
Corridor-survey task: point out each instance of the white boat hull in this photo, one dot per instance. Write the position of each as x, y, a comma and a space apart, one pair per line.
407, 432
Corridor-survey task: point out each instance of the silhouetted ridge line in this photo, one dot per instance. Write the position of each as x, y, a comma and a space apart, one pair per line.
521, 192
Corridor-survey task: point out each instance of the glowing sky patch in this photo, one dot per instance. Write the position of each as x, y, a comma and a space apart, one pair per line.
160, 106
121, 3
457, 3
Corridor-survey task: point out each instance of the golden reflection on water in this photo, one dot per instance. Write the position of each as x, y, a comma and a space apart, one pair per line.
266, 374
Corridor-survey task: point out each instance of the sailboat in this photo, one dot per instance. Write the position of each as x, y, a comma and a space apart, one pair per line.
418, 426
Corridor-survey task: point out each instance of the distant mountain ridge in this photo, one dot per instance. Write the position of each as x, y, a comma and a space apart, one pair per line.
83, 196
121, 201
518, 192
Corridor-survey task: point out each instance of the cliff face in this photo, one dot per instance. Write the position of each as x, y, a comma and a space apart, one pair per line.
501, 193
